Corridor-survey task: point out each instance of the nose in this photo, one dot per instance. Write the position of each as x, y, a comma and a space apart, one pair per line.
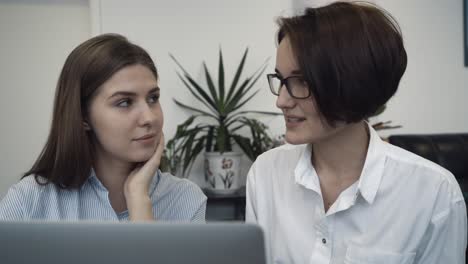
147, 116
284, 99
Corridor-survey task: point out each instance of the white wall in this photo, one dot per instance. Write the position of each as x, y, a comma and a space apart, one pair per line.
36, 37
434, 90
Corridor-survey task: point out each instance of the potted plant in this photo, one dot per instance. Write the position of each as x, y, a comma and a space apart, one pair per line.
223, 105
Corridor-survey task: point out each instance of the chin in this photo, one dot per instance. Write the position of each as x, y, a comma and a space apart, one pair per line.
141, 157
294, 139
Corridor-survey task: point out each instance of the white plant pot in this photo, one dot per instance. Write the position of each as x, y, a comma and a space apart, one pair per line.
222, 170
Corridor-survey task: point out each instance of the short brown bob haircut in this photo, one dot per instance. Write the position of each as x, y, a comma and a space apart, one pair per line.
350, 54
67, 157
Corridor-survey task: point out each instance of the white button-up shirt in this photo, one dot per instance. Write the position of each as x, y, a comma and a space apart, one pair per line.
403, 209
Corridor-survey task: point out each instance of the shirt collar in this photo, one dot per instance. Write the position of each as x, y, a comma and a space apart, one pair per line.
95, 182
304, 173
371, 175
374, 166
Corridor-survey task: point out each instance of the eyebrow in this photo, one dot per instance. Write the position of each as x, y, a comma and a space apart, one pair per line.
132, 94
294, 72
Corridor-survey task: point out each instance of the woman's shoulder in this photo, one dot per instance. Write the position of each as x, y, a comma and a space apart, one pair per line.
423, 171
22, 196
174, 186
32, 188
30, 185
413, 162
178, 199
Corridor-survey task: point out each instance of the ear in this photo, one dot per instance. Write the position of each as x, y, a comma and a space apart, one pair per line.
86, 126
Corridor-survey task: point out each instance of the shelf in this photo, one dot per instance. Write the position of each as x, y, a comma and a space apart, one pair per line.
225, 206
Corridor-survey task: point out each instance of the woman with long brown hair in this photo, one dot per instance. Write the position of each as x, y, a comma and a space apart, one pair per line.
102, 155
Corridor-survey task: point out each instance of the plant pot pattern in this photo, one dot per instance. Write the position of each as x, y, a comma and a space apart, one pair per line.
222, 170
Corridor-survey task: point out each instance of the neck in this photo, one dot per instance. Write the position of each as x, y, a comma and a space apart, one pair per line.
342, 154
113, 173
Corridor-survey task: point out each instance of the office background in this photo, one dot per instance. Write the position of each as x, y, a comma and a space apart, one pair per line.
37, 35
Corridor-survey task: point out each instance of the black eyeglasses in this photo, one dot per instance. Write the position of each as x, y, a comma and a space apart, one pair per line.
295, 85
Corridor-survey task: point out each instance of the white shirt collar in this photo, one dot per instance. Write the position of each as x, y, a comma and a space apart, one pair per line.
373, 169
371, 175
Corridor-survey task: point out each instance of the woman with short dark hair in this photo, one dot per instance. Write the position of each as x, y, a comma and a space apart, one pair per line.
338, 193
102, 155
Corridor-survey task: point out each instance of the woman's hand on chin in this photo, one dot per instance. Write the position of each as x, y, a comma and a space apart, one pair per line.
137, 184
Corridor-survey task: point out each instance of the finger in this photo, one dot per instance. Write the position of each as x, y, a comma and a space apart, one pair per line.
153, 163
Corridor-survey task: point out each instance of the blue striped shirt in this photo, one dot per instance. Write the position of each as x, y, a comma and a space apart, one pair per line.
173, 199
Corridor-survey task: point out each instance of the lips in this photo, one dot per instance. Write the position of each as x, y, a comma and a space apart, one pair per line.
145, 137
294, 119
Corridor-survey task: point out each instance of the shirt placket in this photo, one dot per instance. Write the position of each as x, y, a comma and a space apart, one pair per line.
322, 252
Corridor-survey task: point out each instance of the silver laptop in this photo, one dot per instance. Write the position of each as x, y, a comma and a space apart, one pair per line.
115, 243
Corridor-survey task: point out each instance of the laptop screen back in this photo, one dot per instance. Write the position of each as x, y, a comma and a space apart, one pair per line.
129, 243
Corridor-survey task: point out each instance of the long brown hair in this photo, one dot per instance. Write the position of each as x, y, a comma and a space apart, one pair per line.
67, 157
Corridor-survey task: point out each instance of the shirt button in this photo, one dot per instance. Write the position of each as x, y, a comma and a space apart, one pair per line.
324, 241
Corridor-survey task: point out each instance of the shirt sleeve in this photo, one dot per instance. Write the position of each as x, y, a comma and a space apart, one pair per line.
199, 216
446, 237
11, 206
193, 200
251, 203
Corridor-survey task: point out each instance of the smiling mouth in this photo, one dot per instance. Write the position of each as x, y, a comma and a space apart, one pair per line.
294, 119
